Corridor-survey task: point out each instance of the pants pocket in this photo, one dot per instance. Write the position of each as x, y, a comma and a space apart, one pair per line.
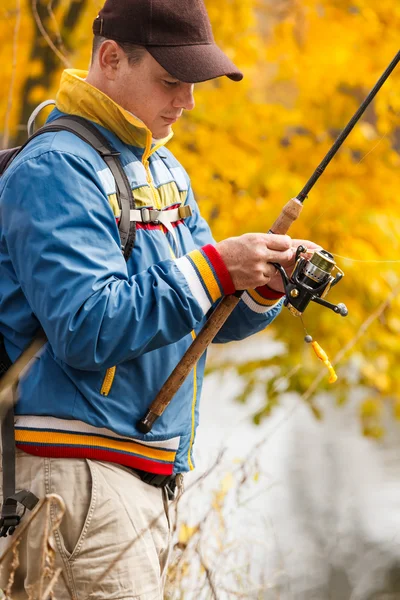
75, 481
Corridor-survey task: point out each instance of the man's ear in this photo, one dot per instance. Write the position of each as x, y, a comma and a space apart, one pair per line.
110, 55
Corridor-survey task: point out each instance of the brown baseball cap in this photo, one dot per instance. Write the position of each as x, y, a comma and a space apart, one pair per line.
177, 33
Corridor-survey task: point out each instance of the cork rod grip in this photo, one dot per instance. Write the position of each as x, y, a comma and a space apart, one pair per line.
190, 358
290, 212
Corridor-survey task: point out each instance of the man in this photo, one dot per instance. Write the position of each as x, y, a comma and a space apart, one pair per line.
116, 330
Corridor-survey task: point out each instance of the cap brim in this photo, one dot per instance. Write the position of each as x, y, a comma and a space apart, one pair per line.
193, 64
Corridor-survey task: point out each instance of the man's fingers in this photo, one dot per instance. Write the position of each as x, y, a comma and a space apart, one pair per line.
270, 271
309, 245
278, 242
247, 257
280, 257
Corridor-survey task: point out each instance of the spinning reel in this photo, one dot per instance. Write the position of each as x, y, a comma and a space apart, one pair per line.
311, 281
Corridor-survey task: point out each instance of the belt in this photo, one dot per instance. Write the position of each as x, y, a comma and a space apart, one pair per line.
159, 481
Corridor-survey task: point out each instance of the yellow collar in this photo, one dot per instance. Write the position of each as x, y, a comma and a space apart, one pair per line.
77, 97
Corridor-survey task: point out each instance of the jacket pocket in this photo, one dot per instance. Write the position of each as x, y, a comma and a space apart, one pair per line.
108, 381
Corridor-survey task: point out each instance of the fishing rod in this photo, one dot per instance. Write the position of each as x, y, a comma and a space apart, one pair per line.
310, 280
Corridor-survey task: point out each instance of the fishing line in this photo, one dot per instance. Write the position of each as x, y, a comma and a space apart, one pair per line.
323, 213
373, 148
365, 261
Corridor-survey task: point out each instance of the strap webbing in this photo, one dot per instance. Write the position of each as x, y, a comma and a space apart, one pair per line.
8, 381
166, 217
8, 458
151, 215
9, 514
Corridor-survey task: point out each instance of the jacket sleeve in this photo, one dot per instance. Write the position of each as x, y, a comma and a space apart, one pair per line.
256, 309
61, 236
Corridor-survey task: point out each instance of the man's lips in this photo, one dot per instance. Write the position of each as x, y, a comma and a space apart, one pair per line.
171, 120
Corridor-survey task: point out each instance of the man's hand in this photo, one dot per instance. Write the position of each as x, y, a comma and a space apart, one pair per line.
275, 282
248, 257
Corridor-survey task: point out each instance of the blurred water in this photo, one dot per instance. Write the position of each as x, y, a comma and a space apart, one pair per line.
322, 520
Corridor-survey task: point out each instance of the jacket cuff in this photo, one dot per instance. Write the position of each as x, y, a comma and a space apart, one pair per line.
269, 294
262, 299
207, 275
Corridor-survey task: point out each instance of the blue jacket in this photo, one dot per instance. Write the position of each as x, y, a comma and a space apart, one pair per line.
116, 330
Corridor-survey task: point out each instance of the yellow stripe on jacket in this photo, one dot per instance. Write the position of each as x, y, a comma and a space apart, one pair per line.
59, 438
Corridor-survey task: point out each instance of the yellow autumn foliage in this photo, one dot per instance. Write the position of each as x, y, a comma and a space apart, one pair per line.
249, 147
186, 532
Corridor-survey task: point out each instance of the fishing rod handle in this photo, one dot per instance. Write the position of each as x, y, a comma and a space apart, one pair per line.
190, 358
288, 215
290, 212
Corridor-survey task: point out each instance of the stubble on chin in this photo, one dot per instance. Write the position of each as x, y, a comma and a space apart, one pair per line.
160, 134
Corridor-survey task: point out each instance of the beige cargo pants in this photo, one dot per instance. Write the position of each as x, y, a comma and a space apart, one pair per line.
108, 510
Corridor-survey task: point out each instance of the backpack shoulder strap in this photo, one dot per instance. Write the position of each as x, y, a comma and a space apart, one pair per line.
7, 156
91, 135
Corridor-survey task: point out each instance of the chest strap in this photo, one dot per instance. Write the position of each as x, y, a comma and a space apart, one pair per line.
163, 217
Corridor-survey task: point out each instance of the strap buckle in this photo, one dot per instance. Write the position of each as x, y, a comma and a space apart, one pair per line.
9, 517
155, 479
150, 215
8, 524
185, 211
159, 481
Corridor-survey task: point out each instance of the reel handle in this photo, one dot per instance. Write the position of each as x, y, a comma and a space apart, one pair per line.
339, 309
338, 277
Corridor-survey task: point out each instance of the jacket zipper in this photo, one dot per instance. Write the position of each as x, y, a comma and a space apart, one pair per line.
108, 381
157, 203
110, 373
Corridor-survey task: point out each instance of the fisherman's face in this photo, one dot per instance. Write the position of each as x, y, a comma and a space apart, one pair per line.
151, 94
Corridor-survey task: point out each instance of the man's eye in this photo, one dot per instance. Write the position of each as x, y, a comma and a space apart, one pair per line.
170, 83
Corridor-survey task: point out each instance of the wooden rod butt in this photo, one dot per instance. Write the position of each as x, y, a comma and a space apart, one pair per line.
190, 358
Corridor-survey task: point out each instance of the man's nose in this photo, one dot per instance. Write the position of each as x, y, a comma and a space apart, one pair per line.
184, 98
